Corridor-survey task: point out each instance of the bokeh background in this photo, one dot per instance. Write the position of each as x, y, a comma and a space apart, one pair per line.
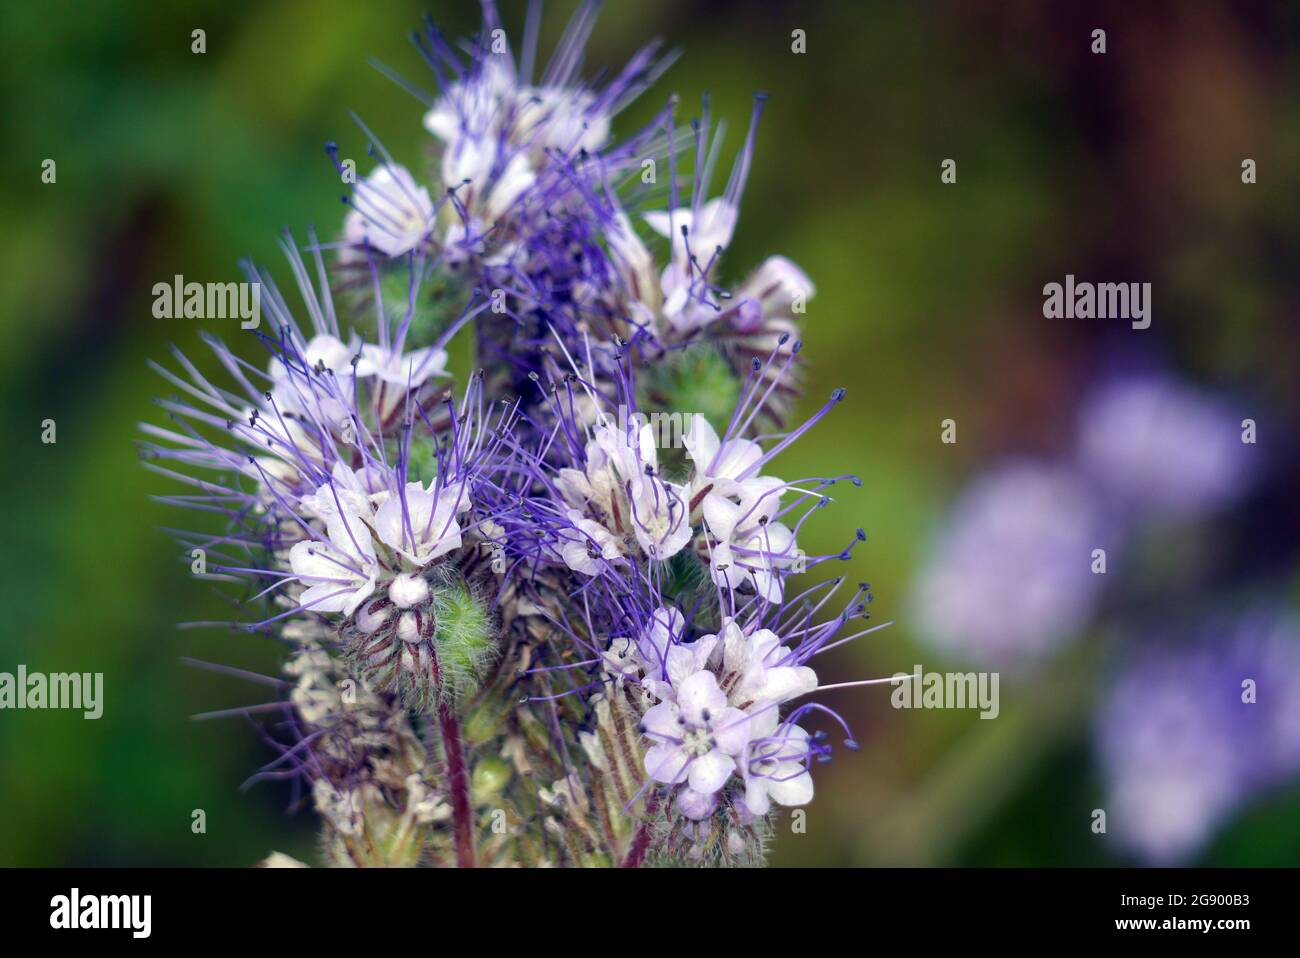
1125, 166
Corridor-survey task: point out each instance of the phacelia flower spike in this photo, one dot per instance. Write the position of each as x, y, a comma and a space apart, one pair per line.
523, 623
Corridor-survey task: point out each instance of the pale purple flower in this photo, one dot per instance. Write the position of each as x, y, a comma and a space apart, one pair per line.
698, 737
694, 232
588, 546
391, 213
720, 468
340, 571
776, 765
293, 396
759, 670
683, 298
350, 491
749, 547
1160, 447
621, 488
1010, 575
405, 370
421, 523
1182, 745
774, 288
664, 658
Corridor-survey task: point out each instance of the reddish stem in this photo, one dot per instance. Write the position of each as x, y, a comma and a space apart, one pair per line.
641, 840
462, 814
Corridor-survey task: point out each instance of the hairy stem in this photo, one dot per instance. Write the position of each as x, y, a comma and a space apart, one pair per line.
462, 814
641, 840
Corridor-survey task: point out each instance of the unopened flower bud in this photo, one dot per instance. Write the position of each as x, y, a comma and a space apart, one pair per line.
407, 628
368, 621
408, 591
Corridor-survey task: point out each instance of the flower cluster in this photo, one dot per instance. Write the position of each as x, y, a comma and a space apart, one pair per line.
1150, 451
1192, 719
510, 595
1190, 734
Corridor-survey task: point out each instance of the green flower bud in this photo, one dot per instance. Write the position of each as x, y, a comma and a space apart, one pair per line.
490, 776
698, 380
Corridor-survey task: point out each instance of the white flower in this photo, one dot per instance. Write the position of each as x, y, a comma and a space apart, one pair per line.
622, 660
711, 230
622, 487
561, 119
462, 241
472, 107
597, 485
293, 453
515, 179
636, 266
698, 738
467, 169
774, 286
492, 105
776, 766
390, 212
354, 492
483, 159
588, 546
656, 509
657, 654
719, 466
759, 670
659, 517
427, 527
472, 163
339, 573
399, 373
678, 296
322, 352
411, 369
299, 389
750, 548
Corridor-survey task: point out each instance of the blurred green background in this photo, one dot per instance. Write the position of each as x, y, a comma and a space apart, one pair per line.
928, 307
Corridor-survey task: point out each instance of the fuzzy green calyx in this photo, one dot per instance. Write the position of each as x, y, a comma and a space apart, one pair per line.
429, 638
422, 458
464, 637
434, 307
698, 380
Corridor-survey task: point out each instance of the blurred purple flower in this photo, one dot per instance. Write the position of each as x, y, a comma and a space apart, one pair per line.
1154, 444
1010, 577
1181, 744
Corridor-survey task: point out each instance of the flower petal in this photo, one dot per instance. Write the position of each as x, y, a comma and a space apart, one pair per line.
710, 771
